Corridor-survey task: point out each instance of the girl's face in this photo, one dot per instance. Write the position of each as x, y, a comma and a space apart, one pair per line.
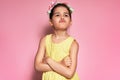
61, 18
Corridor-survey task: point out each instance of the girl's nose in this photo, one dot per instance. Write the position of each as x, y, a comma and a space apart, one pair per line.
62, 17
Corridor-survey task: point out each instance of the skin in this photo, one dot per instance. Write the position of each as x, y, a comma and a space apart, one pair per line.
60, 22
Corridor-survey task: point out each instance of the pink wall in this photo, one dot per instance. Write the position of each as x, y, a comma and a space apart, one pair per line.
96, 26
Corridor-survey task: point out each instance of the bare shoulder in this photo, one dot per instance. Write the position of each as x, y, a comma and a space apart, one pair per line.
74, 48
42, 40
75, 44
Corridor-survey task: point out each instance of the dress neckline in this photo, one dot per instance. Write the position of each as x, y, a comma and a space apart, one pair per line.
58, 42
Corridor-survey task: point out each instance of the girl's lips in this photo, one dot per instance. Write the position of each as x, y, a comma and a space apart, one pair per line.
61, 21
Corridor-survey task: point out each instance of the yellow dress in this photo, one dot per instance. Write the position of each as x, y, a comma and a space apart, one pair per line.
57, 51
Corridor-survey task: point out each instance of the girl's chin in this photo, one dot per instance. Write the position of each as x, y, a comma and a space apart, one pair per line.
61, 28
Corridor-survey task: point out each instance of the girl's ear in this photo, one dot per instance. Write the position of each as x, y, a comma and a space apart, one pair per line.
50, 22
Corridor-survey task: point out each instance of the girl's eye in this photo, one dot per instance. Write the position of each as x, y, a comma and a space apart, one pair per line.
66, 15
57, 15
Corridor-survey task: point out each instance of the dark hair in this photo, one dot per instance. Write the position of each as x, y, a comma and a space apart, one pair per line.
59, 5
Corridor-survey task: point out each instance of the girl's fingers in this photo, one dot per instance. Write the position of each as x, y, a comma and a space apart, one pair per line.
68, 62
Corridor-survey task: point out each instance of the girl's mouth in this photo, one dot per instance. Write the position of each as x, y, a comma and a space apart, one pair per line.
62, 21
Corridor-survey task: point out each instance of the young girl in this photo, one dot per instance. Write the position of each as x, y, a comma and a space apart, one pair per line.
57, 52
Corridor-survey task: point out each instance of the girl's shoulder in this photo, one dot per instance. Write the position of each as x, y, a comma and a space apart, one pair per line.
74, 41
48, 35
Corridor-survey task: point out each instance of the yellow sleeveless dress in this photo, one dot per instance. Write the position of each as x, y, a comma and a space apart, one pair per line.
57, 51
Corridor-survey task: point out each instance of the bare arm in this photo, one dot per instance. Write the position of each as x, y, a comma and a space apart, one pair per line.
39, 59
67, 72
40, 64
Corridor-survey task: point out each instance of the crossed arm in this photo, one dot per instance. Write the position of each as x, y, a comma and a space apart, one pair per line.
66, 67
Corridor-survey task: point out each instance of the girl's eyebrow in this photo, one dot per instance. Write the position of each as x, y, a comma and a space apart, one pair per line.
59, 13
66, 12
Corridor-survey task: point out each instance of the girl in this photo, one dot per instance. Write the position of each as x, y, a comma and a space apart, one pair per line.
57, 52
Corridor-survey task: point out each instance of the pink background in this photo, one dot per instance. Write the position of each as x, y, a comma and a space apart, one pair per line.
96, 26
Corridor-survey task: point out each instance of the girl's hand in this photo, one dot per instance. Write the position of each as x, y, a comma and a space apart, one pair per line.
46, 59
67, 61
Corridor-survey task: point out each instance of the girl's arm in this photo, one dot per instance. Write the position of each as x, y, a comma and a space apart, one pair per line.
40, 62
67, 72
39, 59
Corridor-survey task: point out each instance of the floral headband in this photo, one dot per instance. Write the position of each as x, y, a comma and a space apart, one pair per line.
55, 3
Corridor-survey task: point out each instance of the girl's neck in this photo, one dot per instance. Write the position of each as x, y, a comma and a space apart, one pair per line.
60, 34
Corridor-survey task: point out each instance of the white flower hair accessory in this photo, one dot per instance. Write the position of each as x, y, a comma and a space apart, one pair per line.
52, 4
